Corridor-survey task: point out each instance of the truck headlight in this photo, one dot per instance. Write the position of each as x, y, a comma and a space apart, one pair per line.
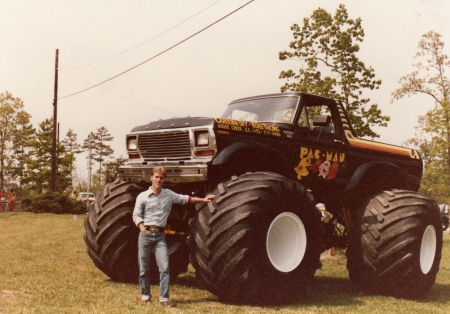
132, 144
132, 147
202, 138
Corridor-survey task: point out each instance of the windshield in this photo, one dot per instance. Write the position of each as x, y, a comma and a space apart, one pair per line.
271, 109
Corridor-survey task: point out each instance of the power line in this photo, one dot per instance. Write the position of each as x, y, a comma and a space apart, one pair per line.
124, 97
157, 55
121, 53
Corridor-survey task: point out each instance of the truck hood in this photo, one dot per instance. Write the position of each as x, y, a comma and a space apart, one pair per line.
174, 123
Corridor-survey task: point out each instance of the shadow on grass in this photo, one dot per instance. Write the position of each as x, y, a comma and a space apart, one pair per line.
324, 292
330, 291
439, 294
334, 291
188, 280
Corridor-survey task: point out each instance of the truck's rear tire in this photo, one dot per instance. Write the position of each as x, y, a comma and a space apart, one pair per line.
111, 236
260, 240
395, 245
445, 222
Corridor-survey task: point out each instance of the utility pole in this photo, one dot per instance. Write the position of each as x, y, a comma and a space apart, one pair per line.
55, 124
89, 157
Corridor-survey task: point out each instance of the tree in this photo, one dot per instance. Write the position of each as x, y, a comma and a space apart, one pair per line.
435, 178
332, 43
95, 142
12, 119
103, 149
111, 168
433, 141
89, 145
37, 162
71, 144
21, 146
72, 147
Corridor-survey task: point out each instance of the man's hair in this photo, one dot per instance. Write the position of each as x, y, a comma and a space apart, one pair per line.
161, 170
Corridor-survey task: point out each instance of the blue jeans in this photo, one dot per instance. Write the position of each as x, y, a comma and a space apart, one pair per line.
157, 242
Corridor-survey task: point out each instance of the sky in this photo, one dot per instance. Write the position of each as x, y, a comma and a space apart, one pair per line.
235, 58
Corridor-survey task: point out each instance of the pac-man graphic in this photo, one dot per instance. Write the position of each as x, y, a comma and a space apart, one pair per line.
302, 168
314, 162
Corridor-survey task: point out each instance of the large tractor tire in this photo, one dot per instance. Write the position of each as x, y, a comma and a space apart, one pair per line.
111, 236
395, 245
259, 241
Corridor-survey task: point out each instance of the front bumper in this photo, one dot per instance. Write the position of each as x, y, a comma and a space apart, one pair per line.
175, 172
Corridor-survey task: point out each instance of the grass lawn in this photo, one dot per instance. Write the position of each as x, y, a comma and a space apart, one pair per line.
44, 268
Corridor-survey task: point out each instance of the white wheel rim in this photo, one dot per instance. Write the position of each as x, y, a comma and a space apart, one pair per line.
286, 242
428, 249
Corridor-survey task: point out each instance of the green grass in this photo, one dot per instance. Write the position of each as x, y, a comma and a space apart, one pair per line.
44, 268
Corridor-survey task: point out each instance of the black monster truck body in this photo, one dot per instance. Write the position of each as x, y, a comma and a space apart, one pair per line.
270, 159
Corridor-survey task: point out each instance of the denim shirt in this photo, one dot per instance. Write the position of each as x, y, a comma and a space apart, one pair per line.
154, 210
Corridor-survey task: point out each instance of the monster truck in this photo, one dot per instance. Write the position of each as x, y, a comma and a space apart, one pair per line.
269, 160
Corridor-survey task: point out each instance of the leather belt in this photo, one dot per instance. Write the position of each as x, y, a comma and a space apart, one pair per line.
154, 229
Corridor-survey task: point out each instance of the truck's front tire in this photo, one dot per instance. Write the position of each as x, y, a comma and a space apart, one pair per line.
260, 240
111, 236
395, 245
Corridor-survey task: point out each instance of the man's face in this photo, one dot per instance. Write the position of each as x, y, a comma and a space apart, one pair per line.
157, 179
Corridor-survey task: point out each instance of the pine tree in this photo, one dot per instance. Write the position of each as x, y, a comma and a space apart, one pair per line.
96, 143
37, 162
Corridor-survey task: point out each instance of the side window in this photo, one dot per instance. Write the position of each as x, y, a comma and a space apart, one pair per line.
307, 115
329, 128
303, 120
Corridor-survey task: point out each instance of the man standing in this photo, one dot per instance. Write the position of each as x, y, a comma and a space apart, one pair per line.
150, 216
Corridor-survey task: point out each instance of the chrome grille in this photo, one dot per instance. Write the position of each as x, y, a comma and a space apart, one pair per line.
165, 145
